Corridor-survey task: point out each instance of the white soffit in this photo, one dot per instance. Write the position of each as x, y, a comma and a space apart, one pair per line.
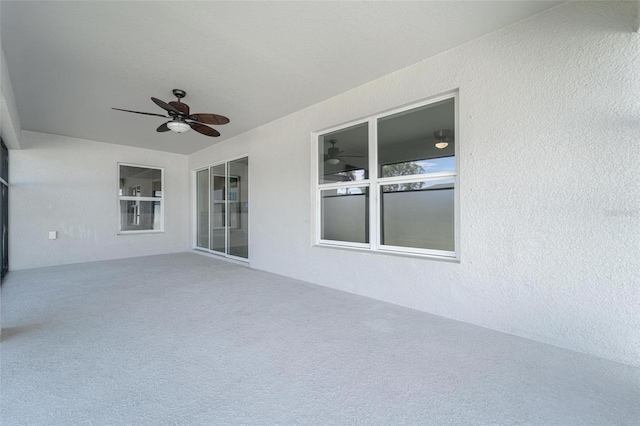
70, 62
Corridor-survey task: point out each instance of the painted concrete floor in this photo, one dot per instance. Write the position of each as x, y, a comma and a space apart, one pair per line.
184, 339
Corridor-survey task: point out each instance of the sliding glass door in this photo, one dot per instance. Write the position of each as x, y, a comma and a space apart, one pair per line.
4, 209
222, 208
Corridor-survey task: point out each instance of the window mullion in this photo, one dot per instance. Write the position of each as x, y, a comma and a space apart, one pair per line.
374, 196
417, 178
227, 181
350, 184
134, 198
209, 207
318, 209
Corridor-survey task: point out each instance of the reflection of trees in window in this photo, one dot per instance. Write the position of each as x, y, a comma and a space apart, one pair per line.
351, 175
402, 169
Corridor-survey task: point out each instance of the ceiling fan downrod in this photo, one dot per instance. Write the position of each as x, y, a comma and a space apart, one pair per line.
179, 93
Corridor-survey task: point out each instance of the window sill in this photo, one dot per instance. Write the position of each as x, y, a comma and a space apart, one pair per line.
389, 253
151, 231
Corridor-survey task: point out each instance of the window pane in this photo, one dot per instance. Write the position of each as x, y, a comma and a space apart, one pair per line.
218, 211
239, 208
419, 215
4, 161
345, 214
407, 141
343, 155
140, 215
431, 165
202, 191
4, 226
140, 181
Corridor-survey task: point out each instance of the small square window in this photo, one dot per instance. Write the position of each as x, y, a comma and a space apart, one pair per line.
141, 202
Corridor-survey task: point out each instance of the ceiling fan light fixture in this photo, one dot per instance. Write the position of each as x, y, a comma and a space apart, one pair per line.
441, 138
442, 144
178, 126
333, 161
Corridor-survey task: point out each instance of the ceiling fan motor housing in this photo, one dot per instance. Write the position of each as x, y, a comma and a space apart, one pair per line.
333, 152
178, 93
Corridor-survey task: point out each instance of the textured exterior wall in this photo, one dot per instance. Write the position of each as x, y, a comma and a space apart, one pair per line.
71, 186
9, 120
549, 193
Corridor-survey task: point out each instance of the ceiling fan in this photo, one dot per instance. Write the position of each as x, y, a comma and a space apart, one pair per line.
334, 155
181, 119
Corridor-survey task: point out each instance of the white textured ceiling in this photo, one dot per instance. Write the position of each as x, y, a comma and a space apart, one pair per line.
70, 62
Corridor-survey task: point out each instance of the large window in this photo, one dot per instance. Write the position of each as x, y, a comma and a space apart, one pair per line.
222, 209
141, 200
388, 183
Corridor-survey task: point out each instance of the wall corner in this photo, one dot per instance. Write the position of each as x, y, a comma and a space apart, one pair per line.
10, 127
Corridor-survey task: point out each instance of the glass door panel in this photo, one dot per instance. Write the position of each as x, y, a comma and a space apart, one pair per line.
5, 229
238, 208
4, 209
202, 209
218, 209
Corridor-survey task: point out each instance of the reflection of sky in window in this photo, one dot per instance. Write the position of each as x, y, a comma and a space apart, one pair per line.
433, 165
427, 165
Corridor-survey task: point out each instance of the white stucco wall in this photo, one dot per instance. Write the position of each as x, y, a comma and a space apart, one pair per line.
9, 120
549, 192
71, 186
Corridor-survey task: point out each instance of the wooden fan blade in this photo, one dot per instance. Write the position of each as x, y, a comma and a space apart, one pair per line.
164, 105
163, 128
210, 119
205, 130
182, 107
139, 112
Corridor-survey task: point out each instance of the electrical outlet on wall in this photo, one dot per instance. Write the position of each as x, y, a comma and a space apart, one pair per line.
53, 235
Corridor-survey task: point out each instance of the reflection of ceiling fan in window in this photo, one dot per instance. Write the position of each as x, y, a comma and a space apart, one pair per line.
334, 155
442, 138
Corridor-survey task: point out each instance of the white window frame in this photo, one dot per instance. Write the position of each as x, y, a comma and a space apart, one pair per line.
375, 183
134, 198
